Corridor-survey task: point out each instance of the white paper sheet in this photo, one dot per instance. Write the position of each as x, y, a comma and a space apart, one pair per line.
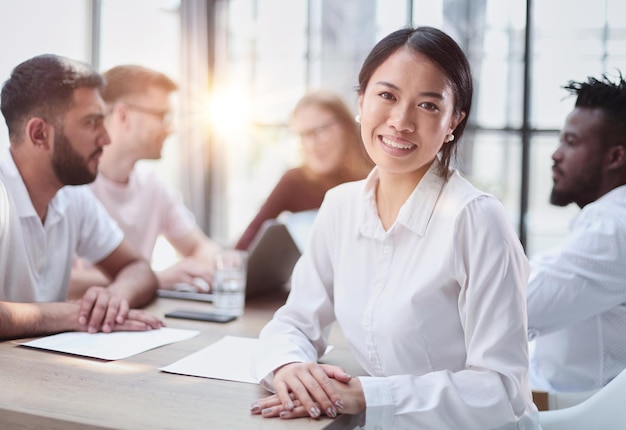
229, 358
111, 346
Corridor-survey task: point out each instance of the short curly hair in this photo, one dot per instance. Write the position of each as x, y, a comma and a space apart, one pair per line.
610, 97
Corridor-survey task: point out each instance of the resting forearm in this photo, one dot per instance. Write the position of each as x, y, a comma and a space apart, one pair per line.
136, 283
83, 278
205, 252
18, 320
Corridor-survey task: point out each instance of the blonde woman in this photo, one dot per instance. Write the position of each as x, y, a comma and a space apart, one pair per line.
332, 153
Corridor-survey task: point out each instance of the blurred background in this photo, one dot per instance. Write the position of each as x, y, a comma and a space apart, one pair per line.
242, 65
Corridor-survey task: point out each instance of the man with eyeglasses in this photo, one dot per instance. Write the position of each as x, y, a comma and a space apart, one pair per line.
54, 115
139, 121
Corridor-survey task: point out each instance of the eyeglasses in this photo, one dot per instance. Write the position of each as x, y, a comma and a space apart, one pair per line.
164, 116
315, 132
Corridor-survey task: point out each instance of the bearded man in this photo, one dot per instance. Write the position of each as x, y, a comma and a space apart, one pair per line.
54, 114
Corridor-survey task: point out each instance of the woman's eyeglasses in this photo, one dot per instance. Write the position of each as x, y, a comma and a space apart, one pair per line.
315, 132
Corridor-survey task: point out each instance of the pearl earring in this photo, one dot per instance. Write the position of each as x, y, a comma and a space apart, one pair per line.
357, 118
450, 138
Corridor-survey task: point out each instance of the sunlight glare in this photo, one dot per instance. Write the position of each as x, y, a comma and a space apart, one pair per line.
228, 111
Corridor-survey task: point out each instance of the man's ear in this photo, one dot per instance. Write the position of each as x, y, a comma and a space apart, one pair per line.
119, 113
39, 133
616, 157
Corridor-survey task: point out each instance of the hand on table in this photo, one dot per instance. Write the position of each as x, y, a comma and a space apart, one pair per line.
310, 389
189, 272
101, 310
138, 320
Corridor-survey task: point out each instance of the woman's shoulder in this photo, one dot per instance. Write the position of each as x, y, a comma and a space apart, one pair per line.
463, 197
295, 173
293, 180
347, 191
463, 190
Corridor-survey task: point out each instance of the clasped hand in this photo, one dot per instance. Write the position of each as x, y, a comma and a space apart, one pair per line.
311, 389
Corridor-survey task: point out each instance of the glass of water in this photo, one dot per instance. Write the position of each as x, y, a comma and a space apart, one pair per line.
229, 282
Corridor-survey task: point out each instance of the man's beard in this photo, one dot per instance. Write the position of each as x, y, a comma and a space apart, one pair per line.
585, 189
558, 198
68, 165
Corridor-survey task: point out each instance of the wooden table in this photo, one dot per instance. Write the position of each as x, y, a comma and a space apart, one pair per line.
48, 390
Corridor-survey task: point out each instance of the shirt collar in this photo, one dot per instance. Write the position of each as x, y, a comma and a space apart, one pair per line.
617, 193
416, 212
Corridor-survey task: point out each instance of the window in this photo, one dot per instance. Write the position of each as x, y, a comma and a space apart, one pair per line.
21, 42
156, 45
145, 32
326, 44
269, 52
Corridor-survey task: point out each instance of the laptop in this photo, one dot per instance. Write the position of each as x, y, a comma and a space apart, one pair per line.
186, 292
272, 256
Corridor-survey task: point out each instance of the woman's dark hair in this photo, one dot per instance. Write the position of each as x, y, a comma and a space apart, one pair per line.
446, 54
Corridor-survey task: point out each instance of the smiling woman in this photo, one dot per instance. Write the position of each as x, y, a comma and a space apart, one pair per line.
412, 252
406, 122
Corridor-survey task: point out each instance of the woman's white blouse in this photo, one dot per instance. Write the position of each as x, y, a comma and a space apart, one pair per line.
433, 309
